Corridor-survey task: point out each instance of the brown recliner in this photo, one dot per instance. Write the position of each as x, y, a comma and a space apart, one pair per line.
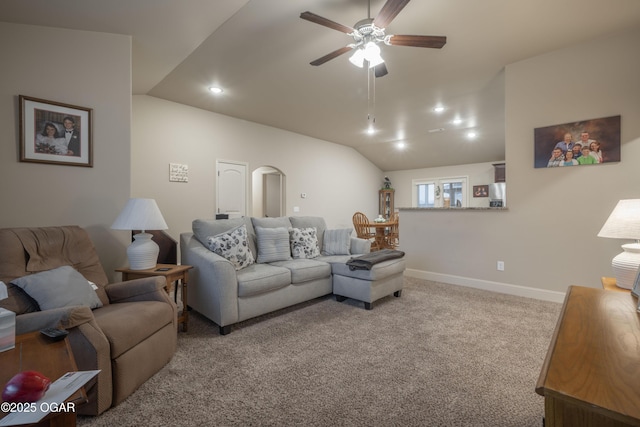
131, 337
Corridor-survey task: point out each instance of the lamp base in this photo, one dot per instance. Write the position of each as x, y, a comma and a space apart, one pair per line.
143, 252
625, 265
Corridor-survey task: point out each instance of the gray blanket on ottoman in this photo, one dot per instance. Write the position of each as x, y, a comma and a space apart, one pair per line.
367, 261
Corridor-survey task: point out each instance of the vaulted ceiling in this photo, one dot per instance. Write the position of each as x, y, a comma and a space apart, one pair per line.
259, 52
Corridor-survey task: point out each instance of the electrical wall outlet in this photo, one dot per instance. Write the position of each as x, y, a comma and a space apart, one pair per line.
500, 266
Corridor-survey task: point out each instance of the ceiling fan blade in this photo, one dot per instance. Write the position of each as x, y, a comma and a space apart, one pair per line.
380, 70
389, 11
418, 41
317, 19
330, 56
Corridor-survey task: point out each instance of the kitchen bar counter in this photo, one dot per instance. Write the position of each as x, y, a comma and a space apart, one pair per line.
453, 209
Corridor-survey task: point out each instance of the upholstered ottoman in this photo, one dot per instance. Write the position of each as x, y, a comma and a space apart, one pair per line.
384, 278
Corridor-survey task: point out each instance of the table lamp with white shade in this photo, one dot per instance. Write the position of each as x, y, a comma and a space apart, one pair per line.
624, 223
141, 214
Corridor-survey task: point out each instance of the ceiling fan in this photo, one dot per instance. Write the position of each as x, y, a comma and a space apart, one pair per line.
368, 33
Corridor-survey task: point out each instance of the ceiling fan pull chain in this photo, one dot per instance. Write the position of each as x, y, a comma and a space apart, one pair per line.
369, 109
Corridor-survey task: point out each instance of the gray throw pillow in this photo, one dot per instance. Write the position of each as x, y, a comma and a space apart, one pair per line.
61, 287
273, 244
232, 246
337, 242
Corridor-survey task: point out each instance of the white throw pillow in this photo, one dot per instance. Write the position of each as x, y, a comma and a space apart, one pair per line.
304, 243
233, 246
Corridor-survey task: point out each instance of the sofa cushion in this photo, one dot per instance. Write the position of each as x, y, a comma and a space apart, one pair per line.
273, 244
379, 271
304, 270
337, 242
232, 246
127, 324
304, 243
59, 287
334, 260
260, 278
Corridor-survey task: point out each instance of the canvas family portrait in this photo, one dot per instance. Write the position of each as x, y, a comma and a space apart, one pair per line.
588, 142
56, 133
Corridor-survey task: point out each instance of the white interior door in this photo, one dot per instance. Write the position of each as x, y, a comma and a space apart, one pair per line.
232, 188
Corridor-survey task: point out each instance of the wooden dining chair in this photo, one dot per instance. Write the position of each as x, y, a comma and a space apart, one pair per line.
361, 225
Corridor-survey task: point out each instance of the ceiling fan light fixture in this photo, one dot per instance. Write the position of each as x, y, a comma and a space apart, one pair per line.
372, 54
357, 58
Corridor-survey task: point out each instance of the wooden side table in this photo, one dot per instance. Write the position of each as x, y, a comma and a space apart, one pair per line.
35, 352
609, 283
172, 273
590, 375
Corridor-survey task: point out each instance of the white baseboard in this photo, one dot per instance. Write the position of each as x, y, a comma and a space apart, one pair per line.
486, 285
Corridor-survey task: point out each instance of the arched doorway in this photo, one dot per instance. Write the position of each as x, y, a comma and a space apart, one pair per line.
268, 192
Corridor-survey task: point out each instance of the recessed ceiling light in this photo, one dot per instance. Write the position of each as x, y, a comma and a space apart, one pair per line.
438, 109
401, 145
471, 135
457, 121
216, 90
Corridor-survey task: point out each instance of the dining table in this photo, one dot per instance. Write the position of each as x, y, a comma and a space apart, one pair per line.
381, 229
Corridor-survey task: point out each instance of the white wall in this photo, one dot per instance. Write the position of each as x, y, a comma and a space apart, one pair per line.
336, 179
547, 237
99, 77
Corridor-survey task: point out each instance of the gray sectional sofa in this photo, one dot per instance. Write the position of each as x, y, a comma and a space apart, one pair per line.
243, 270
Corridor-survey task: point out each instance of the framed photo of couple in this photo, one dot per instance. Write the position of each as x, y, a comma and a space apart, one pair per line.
55, 133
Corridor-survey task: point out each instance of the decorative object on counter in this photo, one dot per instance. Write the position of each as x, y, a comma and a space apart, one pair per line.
591, 142
624, 223
141, 214
55, 133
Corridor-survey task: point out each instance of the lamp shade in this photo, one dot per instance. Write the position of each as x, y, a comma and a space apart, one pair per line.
372, 54
624, 223
357, 58
140, 214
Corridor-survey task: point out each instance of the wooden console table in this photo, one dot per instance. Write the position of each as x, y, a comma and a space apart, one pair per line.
591, 375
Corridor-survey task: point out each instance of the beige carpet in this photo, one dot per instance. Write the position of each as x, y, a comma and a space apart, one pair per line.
440, 355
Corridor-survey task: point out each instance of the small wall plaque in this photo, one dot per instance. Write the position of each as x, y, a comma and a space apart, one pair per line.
178, 172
